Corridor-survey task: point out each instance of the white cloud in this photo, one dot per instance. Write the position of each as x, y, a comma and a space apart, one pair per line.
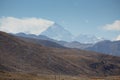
118, 38
114, 26
27, 25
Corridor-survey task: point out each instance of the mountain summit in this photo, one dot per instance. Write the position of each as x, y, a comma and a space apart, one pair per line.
58, 32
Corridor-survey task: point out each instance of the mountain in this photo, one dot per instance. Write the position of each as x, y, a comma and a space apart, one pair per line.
57, 32
42, 37
46, 41
42, 42
87, 39
75, 44
44, 27
17, 55
21, 56
53, 32
107, 47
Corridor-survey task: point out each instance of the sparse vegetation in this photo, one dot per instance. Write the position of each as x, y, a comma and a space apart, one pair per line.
22, 60
28, 76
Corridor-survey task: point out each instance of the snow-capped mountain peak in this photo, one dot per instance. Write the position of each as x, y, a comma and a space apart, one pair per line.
58, 32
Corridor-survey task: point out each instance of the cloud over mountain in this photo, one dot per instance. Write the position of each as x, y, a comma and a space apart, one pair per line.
114, 26
27, 25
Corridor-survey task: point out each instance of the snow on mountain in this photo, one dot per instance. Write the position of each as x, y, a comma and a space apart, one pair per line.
57, 32
87, 38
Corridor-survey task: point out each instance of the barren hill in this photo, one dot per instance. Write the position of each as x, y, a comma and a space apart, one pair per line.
18, 55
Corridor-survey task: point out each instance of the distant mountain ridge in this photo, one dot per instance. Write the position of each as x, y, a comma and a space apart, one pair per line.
57, 32
107, 47
86, 38
42, 42
42, 37
73, 44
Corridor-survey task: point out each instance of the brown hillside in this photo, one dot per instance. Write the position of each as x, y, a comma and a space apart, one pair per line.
17, 55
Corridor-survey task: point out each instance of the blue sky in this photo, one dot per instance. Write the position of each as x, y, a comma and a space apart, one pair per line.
77, 16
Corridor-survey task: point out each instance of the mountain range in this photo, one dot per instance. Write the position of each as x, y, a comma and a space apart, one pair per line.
86, 38
105, 46
19, 55
57, 32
